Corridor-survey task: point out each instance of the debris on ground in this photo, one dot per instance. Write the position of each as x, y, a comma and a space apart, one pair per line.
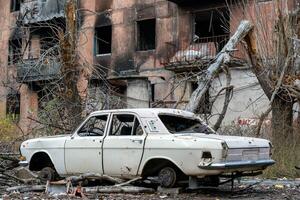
18, 182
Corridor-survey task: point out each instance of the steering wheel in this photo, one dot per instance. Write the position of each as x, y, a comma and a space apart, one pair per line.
97, 131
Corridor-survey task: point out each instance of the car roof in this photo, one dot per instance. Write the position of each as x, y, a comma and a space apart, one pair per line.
148, 112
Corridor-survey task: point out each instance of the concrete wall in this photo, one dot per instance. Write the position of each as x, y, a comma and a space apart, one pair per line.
138, 93
248, 100
28, 98
263, 16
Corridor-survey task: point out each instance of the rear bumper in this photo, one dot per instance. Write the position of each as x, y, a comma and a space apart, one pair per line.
238, 164
23, 163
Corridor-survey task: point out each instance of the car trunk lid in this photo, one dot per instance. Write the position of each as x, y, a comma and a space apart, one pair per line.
232, 141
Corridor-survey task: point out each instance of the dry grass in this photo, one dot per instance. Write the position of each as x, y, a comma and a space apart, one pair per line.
9, 136
287, 156
8, 130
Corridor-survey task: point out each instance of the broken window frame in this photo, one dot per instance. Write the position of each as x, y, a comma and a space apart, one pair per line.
13, 106
178, 124
140, 44
85, 129
136, 123
15, 5
14, 51
98, 51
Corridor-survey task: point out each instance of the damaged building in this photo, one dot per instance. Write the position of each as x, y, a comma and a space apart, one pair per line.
147, 54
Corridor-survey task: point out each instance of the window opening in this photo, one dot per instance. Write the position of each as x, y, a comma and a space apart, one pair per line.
15, 51
212, 26
152, 92
146, 32
103, 37
15, 5
13, 106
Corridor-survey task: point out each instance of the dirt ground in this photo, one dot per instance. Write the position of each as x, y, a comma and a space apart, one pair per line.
247, 190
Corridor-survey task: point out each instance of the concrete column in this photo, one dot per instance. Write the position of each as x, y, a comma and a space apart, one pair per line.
138, 93
2, 107
4, 37
85, 47
28, 108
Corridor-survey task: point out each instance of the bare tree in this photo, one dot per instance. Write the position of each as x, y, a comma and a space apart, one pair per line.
274, 57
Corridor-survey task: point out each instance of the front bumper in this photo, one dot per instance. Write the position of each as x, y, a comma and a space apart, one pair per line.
238, 164
23, 163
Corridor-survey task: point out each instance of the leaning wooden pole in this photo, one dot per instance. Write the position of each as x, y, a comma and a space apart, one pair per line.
211, 72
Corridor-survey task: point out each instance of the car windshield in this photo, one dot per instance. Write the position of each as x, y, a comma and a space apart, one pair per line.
180, 124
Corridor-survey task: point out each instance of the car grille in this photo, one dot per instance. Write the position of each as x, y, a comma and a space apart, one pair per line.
248, 154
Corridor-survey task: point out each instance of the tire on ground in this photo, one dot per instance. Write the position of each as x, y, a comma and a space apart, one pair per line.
47, 174
167, 177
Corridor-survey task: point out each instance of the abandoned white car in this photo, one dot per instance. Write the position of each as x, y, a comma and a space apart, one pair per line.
172, 145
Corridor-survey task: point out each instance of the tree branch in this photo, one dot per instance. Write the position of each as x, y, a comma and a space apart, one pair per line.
228, 95
211, 72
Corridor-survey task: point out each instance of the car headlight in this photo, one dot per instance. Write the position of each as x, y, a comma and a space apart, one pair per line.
22, 158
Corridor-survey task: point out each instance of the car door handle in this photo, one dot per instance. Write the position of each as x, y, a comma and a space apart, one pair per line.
137, 140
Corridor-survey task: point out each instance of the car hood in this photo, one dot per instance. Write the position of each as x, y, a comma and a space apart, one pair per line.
56, 141
231, 141
52, 137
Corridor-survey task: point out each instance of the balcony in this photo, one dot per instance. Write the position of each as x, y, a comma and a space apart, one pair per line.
183, 2
200, 52
32, 70
35, 11
197, 2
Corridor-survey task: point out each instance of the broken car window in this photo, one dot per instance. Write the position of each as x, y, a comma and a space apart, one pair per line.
181, 124
125, 124
95, 126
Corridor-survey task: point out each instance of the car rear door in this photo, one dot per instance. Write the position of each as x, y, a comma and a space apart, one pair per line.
83, 150
123, 146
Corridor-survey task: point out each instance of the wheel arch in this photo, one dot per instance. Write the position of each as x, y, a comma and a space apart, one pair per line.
39, 160
154, 164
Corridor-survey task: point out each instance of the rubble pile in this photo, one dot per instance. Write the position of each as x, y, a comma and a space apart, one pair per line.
7, 163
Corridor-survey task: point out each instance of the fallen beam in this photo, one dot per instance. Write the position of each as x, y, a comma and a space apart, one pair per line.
117, 189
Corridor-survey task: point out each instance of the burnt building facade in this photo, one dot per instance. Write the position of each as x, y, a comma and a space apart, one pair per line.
148, 50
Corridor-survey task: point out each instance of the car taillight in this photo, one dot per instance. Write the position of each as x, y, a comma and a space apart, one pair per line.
225, 150
271, 149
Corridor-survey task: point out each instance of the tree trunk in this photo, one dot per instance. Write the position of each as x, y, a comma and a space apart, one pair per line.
282, 120
70, 67
211, 72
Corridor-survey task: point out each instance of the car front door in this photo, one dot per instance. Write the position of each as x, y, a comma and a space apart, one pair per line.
83, 150
123, 146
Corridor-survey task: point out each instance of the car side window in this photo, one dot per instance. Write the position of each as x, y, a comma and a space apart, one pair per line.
95, 126
125, 124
